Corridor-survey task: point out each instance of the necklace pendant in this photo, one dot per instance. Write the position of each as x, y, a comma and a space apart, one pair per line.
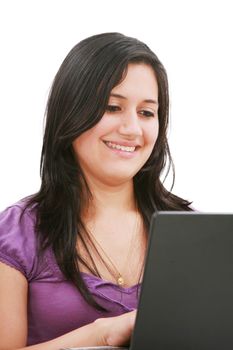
120, 281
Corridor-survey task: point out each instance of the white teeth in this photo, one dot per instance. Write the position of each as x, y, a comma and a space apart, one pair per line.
122, 148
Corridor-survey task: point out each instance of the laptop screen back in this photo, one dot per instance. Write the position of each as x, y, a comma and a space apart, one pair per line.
187, 294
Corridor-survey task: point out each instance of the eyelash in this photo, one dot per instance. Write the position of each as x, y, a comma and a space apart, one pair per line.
145, 113
112, 108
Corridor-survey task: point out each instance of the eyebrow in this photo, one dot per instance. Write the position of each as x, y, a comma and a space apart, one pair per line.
125, 98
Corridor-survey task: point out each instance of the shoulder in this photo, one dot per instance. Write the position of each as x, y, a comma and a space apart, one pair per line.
17, 211
17, 237
17, 219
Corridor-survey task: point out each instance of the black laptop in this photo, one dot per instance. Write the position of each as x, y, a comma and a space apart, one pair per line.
186, 300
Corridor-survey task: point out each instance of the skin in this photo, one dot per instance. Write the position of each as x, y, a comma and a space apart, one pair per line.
130, 120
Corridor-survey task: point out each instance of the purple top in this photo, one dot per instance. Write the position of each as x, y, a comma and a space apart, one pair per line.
55, 306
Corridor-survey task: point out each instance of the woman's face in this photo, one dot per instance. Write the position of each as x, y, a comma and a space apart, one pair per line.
117, 147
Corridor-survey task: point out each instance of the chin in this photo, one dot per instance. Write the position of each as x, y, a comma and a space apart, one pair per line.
114, 180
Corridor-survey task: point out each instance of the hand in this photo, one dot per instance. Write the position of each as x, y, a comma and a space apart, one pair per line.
116, 331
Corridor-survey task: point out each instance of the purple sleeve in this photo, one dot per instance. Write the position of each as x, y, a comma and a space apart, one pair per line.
17, 240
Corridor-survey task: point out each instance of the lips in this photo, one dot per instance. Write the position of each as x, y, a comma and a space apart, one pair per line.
127, 147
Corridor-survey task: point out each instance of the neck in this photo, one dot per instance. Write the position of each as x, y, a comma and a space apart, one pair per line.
109, 200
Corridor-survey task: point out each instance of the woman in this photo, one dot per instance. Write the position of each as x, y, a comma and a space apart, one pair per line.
72, 255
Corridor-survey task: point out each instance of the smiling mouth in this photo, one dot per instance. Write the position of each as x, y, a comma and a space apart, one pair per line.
129, 149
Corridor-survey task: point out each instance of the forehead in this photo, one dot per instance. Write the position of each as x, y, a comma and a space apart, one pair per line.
139, 79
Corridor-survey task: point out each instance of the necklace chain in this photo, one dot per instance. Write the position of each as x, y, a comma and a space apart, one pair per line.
116, 274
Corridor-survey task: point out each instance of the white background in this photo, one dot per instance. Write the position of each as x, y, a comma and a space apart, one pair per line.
194, 41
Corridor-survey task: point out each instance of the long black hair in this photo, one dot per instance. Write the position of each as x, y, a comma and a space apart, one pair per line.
77, 101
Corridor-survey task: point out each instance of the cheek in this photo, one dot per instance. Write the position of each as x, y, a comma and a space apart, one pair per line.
82, 145
86, 139
152, 133
86, 145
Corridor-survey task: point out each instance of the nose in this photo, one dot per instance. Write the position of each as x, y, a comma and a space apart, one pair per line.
130, 125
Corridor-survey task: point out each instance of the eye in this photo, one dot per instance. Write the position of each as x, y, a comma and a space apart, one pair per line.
146, 113
113, 108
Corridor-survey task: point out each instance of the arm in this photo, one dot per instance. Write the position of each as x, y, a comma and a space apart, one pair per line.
13, 321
